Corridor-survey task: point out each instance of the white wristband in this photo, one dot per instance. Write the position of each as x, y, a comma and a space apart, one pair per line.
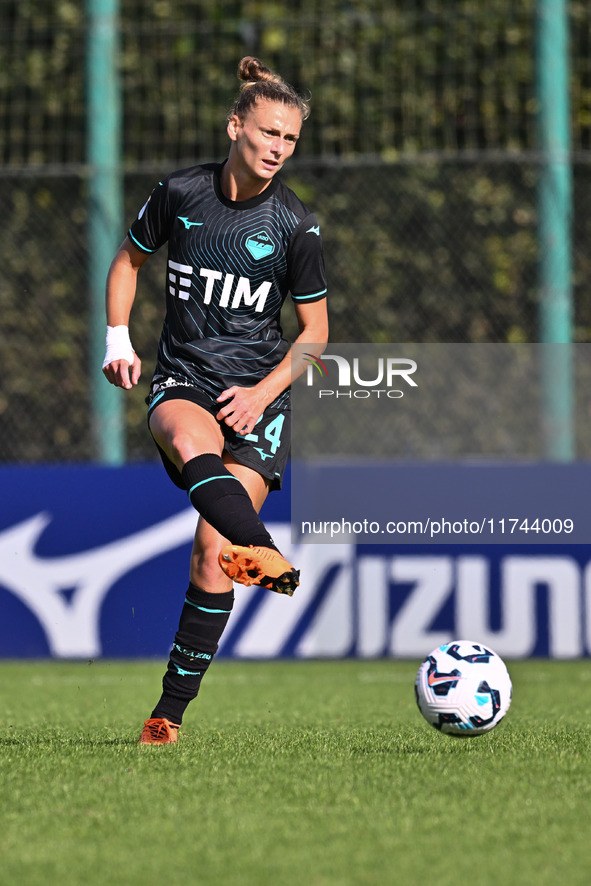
118, 345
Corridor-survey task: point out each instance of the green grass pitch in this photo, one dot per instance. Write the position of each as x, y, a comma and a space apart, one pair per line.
291, 774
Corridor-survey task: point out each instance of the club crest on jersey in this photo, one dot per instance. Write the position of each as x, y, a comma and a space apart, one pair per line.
260, 245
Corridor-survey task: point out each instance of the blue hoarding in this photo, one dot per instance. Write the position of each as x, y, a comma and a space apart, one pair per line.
94, 562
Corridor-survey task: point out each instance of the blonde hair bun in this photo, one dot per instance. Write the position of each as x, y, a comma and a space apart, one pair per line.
260, 83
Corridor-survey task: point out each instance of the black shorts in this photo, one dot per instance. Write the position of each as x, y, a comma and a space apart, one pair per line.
265, 450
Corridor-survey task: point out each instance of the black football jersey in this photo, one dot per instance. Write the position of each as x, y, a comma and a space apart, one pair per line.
230, 267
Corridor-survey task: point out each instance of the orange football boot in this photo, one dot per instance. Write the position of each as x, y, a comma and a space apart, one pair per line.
259, 566
158, 730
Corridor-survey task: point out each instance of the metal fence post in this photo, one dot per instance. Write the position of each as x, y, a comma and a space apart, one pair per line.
105, 212
555, 217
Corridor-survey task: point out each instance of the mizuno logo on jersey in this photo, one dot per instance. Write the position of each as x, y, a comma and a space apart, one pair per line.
314, 230
188, 224
260, 245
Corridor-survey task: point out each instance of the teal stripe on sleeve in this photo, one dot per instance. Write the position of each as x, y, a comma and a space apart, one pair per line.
138, 244
308, 297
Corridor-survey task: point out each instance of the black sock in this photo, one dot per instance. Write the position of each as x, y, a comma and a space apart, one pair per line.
203, 619
222, 500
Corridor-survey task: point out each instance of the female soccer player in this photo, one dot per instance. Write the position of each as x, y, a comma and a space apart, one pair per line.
238, 241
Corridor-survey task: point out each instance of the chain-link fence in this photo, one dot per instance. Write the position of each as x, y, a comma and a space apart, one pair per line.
420, 159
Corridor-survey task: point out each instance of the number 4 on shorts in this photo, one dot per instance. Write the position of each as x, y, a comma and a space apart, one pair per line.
272, 433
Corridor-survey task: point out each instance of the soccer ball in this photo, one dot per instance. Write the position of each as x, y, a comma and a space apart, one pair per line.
463, 688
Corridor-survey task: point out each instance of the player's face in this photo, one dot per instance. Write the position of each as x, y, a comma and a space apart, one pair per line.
264, 139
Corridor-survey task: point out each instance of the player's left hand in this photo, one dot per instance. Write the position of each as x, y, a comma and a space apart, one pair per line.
243, 408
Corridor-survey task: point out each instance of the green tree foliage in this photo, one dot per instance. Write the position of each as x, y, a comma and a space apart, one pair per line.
419, 158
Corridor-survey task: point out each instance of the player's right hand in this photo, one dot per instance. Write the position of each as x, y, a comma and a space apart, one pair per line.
123, 374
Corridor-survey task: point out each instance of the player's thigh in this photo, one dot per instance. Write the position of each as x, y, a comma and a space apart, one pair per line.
184, 430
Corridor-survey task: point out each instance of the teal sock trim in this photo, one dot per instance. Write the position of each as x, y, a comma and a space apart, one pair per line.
209, 479
204, 608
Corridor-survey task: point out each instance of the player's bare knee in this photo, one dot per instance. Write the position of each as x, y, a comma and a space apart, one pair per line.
182, 446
